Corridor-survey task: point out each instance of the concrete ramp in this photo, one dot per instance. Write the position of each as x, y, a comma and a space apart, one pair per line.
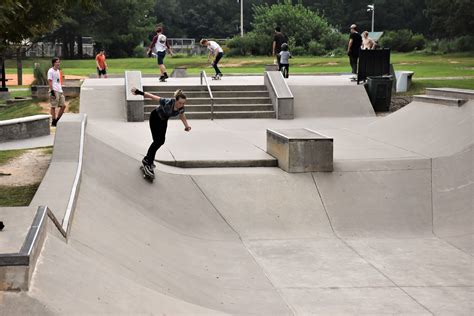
329, 96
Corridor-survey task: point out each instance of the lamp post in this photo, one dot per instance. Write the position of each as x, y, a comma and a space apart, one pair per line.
241, 17
371, 7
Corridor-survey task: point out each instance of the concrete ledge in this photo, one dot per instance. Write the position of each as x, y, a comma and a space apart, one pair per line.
135, 103
16, 269
280, 94
439, 100
300, 150
60, 186
221, 163
25, 127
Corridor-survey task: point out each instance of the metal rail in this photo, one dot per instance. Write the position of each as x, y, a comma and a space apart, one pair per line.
203, 75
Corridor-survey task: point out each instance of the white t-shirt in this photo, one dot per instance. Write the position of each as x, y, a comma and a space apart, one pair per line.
214, 48
160, 45
55, 77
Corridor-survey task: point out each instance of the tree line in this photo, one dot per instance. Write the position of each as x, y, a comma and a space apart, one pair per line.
120, 26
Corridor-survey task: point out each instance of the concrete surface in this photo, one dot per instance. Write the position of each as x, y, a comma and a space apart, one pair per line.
381, 235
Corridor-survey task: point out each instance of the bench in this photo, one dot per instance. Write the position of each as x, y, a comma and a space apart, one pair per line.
300, 150
404, 79
135, 103
25, 127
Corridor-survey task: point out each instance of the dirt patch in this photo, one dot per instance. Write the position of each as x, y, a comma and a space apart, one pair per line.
27, 169
408, 63
331, 64
28, 79
454, 62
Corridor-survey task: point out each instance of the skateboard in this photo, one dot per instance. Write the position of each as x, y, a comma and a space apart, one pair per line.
146, 176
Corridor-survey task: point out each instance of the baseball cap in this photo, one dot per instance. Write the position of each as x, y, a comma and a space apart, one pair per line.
353, 26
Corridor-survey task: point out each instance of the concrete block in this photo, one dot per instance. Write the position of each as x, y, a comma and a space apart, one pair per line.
179, 72
300, 150
403, 79
135, 103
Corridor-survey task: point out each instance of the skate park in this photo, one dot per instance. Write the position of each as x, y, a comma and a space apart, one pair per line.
388, 231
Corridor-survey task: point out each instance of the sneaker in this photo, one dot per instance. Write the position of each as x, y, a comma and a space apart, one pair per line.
165, 75
162, 79
149, 170
54, 122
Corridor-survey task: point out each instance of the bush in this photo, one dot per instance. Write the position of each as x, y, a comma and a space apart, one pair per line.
139, 52
251, 44
315, 48
459, 44
298, 51
403, 41
41, 75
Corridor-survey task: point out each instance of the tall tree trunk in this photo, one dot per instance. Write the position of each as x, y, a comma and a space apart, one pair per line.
19, 67
79, 46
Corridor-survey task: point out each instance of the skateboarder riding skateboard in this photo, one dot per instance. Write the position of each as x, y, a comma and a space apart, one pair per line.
168, 107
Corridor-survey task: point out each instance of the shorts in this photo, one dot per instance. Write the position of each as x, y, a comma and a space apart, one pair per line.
101, 72
58, 100
160, 57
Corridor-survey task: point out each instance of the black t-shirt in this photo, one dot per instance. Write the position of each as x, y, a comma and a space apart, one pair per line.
279, 39
356, 43
166, 108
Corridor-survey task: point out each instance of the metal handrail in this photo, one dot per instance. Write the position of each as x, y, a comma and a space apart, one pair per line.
203, 75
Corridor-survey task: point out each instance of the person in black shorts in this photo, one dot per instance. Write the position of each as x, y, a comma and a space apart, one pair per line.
278, 39
168, 107
353, 48
160, 45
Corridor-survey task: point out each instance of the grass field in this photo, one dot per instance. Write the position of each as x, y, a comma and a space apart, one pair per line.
425, 66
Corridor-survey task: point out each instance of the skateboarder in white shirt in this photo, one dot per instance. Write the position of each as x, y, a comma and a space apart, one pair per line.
216, 51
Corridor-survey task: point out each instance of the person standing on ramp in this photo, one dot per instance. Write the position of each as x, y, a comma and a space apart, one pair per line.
168, 107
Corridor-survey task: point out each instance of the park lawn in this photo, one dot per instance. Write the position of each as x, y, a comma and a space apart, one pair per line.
7, 155
17, 195
22, 109
424, 65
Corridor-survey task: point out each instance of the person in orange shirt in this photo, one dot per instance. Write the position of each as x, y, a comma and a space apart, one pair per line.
101, 64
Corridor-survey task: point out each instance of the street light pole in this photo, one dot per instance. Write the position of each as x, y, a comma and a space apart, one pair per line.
241, 18
371, 7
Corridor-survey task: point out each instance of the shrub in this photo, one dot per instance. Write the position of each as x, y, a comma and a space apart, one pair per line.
315, 48
459, 44
41, 75
403, 41
139, 51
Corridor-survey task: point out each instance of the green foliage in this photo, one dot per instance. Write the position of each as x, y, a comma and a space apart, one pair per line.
459, 44
251, 44
403, 41
450, 18
17, 195
139, 51
40, 75
307, 32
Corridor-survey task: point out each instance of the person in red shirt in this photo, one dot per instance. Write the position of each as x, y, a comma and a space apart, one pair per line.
101, 64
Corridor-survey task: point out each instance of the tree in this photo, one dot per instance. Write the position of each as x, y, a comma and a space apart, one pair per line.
450, 18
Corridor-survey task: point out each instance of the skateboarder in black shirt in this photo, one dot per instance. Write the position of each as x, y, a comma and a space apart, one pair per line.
168, 107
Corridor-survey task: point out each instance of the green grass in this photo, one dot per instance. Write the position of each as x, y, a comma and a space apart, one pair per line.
424, 65
17, 195
74, 105
22, 109
7, 155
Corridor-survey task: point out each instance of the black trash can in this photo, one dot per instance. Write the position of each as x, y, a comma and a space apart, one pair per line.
379, 89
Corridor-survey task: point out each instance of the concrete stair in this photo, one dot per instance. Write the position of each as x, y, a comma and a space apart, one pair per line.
230, 101
463, 94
